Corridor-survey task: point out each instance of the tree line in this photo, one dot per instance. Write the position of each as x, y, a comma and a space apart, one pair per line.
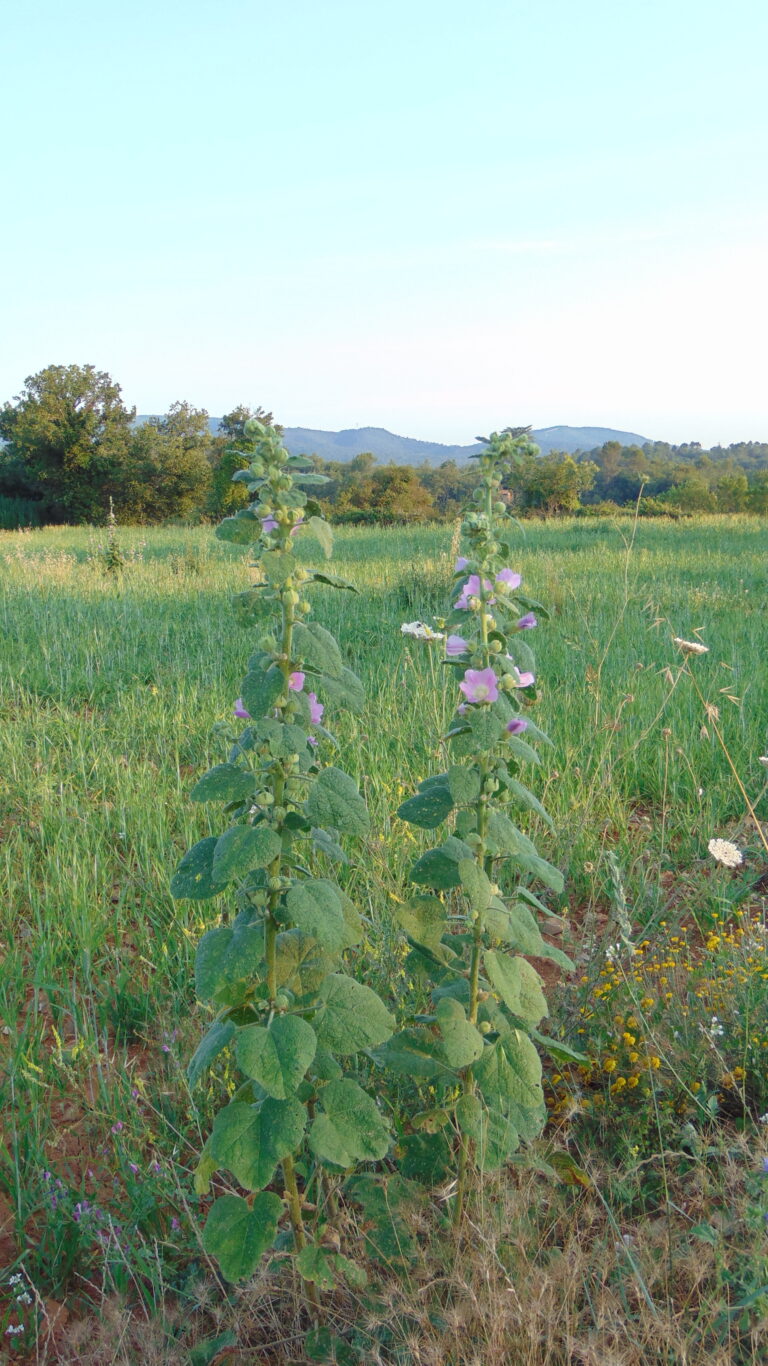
69, 447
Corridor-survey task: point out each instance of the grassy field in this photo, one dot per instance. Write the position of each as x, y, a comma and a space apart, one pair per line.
111, 689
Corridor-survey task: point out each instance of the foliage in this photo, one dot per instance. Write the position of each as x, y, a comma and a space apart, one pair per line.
67, 435
476, 1046
273, 971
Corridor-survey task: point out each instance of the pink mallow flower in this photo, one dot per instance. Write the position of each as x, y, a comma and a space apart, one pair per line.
460, 564
456, 645
471, 589
240, 710
268, 525
480, 685
516, 726
527, 622
296, 681
316, 709
509, 578
524, 680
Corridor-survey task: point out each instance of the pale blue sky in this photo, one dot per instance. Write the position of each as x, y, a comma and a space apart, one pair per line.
434, 217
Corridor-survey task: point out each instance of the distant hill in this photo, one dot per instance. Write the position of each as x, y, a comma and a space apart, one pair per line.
407, 450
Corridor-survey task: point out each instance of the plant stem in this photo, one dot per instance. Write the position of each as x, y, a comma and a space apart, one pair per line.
299, 1234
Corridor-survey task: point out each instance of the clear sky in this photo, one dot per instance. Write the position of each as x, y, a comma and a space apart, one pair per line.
434, 216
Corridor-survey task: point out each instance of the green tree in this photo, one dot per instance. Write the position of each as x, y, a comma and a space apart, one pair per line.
68, 434
166, 473
551, 483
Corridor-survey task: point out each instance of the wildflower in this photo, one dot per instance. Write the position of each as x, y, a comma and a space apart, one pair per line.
521, 680
609, 1065
456, 645
133, 1168
509, 579
480, 685
420, 631
268, 525
296, 681
726, 853
655, 1063
527, 622
690, 647
240, 711
175, 1224
316, 709
763, 760
117, 1127
471, 589
516, 725
460, 564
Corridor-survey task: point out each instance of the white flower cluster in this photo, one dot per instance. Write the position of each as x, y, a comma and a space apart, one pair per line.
690, 647
726, 853
613, 951
421, 631
716, 1030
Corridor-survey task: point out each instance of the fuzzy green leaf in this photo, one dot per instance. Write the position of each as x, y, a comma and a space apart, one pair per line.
250, 1140
413, 1053
226, 955
350, 1129
424, 919
334, 800
317, 648
351, 1016
260, 690
209, 1047
464, 784
344, 691
383, 1201
462, 1043
333, 580
427, 809
509, 1072
277, 1057
301, 963
476, 884
224, 783
242, 848
238, 1235
194, 878
323, 533
315, 908
440, 867
518, 985
528, 800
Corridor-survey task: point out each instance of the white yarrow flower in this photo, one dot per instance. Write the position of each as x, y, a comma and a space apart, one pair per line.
420, 631
690, 647
726, 853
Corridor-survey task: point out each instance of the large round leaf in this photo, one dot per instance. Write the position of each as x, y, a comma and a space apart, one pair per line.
351, 1016
351, 1128
250, 1140
277, 1057
238, 1235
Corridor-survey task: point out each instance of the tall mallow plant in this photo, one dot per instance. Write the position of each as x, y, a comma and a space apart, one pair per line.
472, 942
272, 970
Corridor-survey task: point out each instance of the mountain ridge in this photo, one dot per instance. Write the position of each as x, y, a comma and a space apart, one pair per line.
389, 448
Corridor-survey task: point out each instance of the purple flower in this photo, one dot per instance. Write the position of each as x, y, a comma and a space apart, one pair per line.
471, 589
516, 726
268, 525
509, 578
133, 1168
175, 1224
240, 710
117, 1127
480, 685
296, 681
765, 1166
316, 709
462, 709
456, 645
527, 622
524, 680
460, 564
312, 740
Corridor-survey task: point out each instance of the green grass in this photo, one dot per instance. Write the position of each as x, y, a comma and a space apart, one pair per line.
110, 692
